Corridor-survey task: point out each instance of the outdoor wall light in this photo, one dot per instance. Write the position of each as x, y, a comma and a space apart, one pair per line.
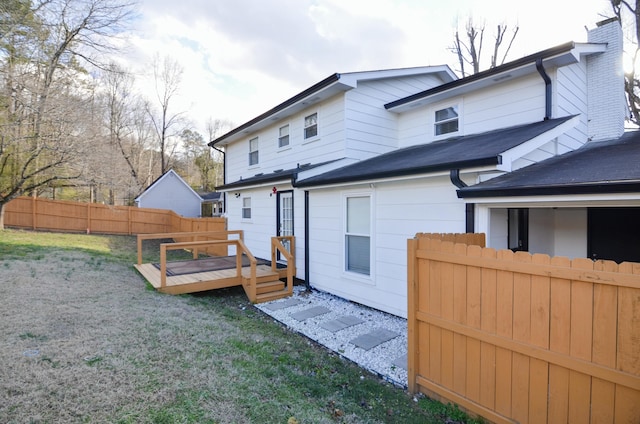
237, 195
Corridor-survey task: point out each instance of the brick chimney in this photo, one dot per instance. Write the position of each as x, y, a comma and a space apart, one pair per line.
607, 104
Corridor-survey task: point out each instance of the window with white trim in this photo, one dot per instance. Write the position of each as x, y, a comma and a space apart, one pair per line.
311, 125
253, 151
283, 136
358, 235
246, 208
446, 120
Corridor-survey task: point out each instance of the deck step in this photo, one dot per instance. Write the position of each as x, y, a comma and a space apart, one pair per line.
275, 295
269, 286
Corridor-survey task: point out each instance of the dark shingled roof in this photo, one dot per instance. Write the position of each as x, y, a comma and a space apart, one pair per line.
277, 175
598, 167
454, 153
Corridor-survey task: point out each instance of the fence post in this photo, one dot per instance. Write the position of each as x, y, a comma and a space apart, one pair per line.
89, 218
412, 304
33, 212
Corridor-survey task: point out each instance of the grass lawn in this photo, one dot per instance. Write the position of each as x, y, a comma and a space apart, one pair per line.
84, 339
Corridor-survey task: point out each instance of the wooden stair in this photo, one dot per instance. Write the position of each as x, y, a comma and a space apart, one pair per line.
268, 286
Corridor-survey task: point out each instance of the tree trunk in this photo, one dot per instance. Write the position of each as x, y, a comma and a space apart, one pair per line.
1, 216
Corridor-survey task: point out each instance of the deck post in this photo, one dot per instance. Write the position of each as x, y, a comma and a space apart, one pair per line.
139, 250
163, 265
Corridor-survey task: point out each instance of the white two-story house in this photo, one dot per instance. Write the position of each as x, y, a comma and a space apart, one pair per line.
358, 163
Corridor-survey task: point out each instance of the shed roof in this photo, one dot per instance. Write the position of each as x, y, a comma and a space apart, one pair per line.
611, 166
469, 151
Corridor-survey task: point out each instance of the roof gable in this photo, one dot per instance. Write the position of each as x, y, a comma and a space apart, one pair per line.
157, 184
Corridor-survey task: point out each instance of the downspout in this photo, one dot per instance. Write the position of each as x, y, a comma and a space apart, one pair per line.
547, 88
306, 240
224, 176
469, 218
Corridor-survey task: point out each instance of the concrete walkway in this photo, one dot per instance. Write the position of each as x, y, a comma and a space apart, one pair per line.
375, 340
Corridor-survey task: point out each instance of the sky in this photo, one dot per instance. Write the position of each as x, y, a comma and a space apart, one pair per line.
243, 57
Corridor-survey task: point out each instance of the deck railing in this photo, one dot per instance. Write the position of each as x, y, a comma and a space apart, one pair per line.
221, 242
277, 245
249, 285
216, 249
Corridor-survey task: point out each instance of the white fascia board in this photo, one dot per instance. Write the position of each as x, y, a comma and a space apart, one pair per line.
560, 201
444, 71
465, 172
564, 59
509, 156
286, 181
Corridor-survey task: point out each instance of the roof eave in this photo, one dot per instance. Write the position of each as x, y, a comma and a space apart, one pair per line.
560, 55
298, 98
555, 190
487, 161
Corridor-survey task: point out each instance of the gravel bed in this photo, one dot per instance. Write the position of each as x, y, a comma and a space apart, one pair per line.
378, 360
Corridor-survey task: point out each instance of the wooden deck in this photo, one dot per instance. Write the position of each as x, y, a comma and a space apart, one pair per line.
261, 283
202, 281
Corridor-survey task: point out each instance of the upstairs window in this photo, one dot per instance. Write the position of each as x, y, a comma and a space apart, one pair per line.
446, 120
253, 151
246, 208
311, 126
283, 136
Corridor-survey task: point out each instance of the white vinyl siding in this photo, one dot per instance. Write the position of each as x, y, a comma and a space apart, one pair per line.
427, 205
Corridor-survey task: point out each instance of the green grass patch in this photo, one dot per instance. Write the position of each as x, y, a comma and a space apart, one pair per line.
153, 358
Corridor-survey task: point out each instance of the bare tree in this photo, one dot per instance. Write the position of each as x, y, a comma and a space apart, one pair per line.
628, 14
42, 46
468, 47
167, 74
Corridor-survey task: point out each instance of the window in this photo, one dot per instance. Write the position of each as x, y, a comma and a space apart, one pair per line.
357, 235
311, 126
253, 151
283, 136
446, 120
246, 207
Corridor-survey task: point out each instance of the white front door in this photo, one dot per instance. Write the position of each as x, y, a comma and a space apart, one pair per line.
285, 217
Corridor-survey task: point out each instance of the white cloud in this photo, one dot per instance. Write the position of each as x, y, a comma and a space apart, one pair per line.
242, 57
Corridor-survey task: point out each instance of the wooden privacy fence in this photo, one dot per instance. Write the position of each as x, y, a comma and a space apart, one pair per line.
56, 215
522, 338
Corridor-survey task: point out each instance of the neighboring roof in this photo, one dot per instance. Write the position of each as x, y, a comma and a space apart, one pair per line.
598, 167
158, 181
277, 175
454, 153
211, 196
556, 56
324, 89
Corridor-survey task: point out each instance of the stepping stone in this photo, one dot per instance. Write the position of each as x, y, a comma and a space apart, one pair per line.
276, 306
401, 362
373, 339
310, 313
341, 323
